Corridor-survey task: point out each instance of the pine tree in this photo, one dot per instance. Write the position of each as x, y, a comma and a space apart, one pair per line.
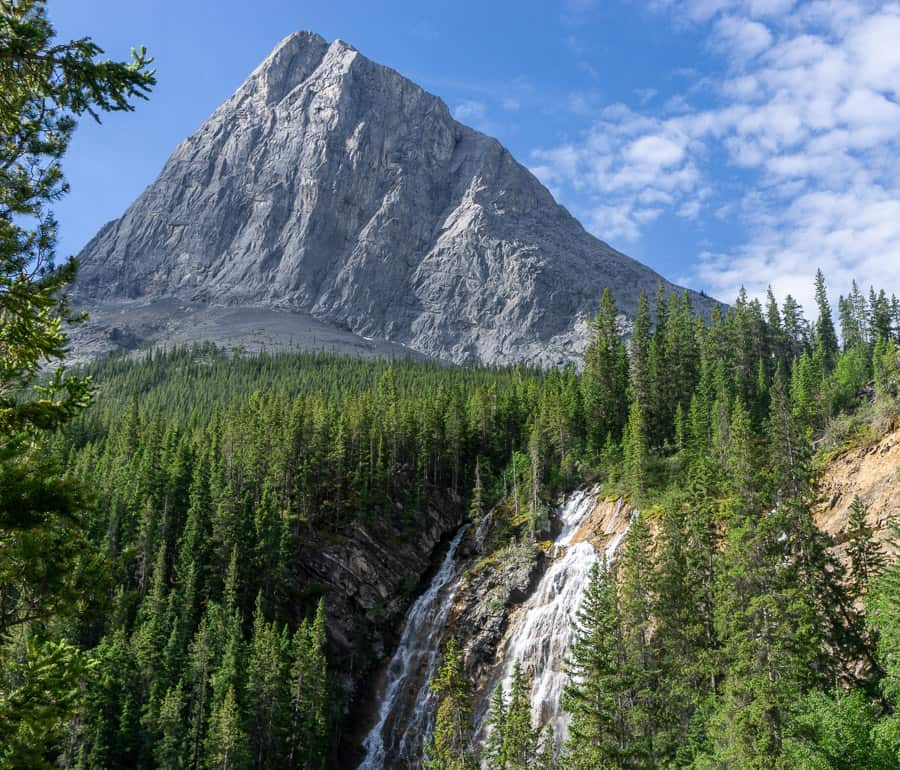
867, 557
796, 327
169, 750
605, 377
267, 698
476, 506
635, 449
639, 375
767, 624
513, 743
881, 317
226, 744
451, 744
46, 86
492, 754
777, 341
685, 640
826, 337
596, 695
310, 695
884, 619
637, 602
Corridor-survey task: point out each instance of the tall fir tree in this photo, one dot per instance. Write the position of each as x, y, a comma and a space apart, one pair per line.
605, 377
596, 695
451, 743
826, 337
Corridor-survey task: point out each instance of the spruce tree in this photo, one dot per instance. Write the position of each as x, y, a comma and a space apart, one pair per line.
267, 698
596, 696
450, 747
169, 750
635, 449
310, 698
826, 337
46, 86
884, 619
227, 747
492, 754
867, 557
636, 603
766, 621
513, 743
605, 377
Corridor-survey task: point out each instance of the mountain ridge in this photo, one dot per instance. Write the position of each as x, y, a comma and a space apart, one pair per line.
331, 185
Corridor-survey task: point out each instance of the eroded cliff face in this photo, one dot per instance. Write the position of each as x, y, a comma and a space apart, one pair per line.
871, 471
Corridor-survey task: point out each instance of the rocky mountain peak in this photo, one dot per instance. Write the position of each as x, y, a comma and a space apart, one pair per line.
333, 187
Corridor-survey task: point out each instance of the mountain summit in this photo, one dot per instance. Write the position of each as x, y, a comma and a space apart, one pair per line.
330, 188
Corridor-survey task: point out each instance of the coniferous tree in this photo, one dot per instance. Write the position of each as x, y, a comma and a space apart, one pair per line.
635, 449
639, 374
226, 743
46, 87
267, 699
826, 337
766, 621
451, 744
513, 744
492, 753
605, 377
596, 696
796, 327
867, 558
884, 619
637, 602
310, 695
169, 750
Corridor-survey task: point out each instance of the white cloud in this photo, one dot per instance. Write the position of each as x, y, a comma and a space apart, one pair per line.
808, 116
740, 38
655, 152
470, 111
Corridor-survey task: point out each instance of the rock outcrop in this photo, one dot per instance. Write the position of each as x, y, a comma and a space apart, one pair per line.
370, 574
332, 187
871, 471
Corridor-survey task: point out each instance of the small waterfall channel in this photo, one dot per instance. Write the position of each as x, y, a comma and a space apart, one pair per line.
405, 712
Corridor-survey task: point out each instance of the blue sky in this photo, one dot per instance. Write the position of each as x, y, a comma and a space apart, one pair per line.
722, 142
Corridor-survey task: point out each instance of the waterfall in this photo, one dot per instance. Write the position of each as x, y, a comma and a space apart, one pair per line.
405, 711
539, 634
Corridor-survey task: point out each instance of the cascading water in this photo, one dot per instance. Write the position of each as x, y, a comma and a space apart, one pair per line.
406, 710
539, 635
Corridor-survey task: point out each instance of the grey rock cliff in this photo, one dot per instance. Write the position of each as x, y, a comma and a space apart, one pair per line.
331, 186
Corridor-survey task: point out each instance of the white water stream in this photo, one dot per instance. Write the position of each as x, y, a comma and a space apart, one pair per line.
538, 637
540, 633
405, 712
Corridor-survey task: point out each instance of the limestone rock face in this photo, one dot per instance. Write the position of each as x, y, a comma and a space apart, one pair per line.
331, 186
490, 591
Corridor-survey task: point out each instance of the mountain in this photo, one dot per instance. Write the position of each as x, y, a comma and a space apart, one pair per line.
331, 190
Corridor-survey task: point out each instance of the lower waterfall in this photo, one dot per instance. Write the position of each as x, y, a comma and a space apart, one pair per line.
405, 711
